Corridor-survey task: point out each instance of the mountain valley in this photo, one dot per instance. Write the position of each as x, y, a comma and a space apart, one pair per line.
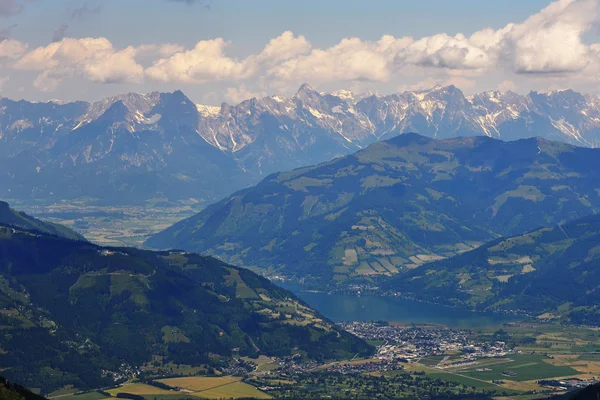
299, 200
438, 220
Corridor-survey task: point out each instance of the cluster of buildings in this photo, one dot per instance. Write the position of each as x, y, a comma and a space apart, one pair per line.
237, 367
412, 343
124, 373
288, 366
361, 368
81, 345
295, 366
565, 384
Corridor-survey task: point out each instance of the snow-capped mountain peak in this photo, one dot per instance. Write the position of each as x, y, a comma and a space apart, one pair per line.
154, 132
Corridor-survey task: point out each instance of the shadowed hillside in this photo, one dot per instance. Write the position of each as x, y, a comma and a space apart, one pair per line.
9, 216
77, 309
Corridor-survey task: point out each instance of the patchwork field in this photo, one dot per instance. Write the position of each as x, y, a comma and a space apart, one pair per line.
113, 226
587, 366
199, 383
463, 380
228, 387
138, 388
215, 388
83, 396
233, 390
529, 368
525, 367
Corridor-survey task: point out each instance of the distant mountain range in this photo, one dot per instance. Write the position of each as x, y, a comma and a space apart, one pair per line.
134, 148
394, 206
88, 314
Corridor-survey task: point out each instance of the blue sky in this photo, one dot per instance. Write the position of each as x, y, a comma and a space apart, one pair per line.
251, 23
94, 38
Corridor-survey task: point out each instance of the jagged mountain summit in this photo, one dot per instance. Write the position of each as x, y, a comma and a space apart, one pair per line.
134, 147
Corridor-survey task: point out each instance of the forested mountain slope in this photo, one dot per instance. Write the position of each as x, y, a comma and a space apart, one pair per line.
549, 272
76, 309
393, 206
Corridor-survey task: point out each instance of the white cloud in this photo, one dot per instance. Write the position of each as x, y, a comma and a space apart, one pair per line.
13, 49
169, 49
547, 42
94, 59
351, 59
205, 62
238, 94
445, 52
114, 67
551, 40
284, 47
64, 53
545, 47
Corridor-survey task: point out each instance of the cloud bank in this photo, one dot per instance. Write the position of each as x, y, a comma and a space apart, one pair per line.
549, 43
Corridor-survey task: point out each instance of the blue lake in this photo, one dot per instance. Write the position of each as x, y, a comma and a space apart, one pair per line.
339, 307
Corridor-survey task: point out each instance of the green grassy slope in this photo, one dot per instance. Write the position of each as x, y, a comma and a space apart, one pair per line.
549, 270
394, 206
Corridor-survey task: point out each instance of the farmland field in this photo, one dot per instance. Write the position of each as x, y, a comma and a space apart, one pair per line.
526, 367
215, 388
190, 387
431, 361
113, 225
138, 388
590, 357
83, 396
463, 380
199, 383
232, 390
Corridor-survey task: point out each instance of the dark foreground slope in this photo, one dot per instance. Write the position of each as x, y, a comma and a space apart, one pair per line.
550, 271
12, 391
70, 310
394, 206
9, 216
